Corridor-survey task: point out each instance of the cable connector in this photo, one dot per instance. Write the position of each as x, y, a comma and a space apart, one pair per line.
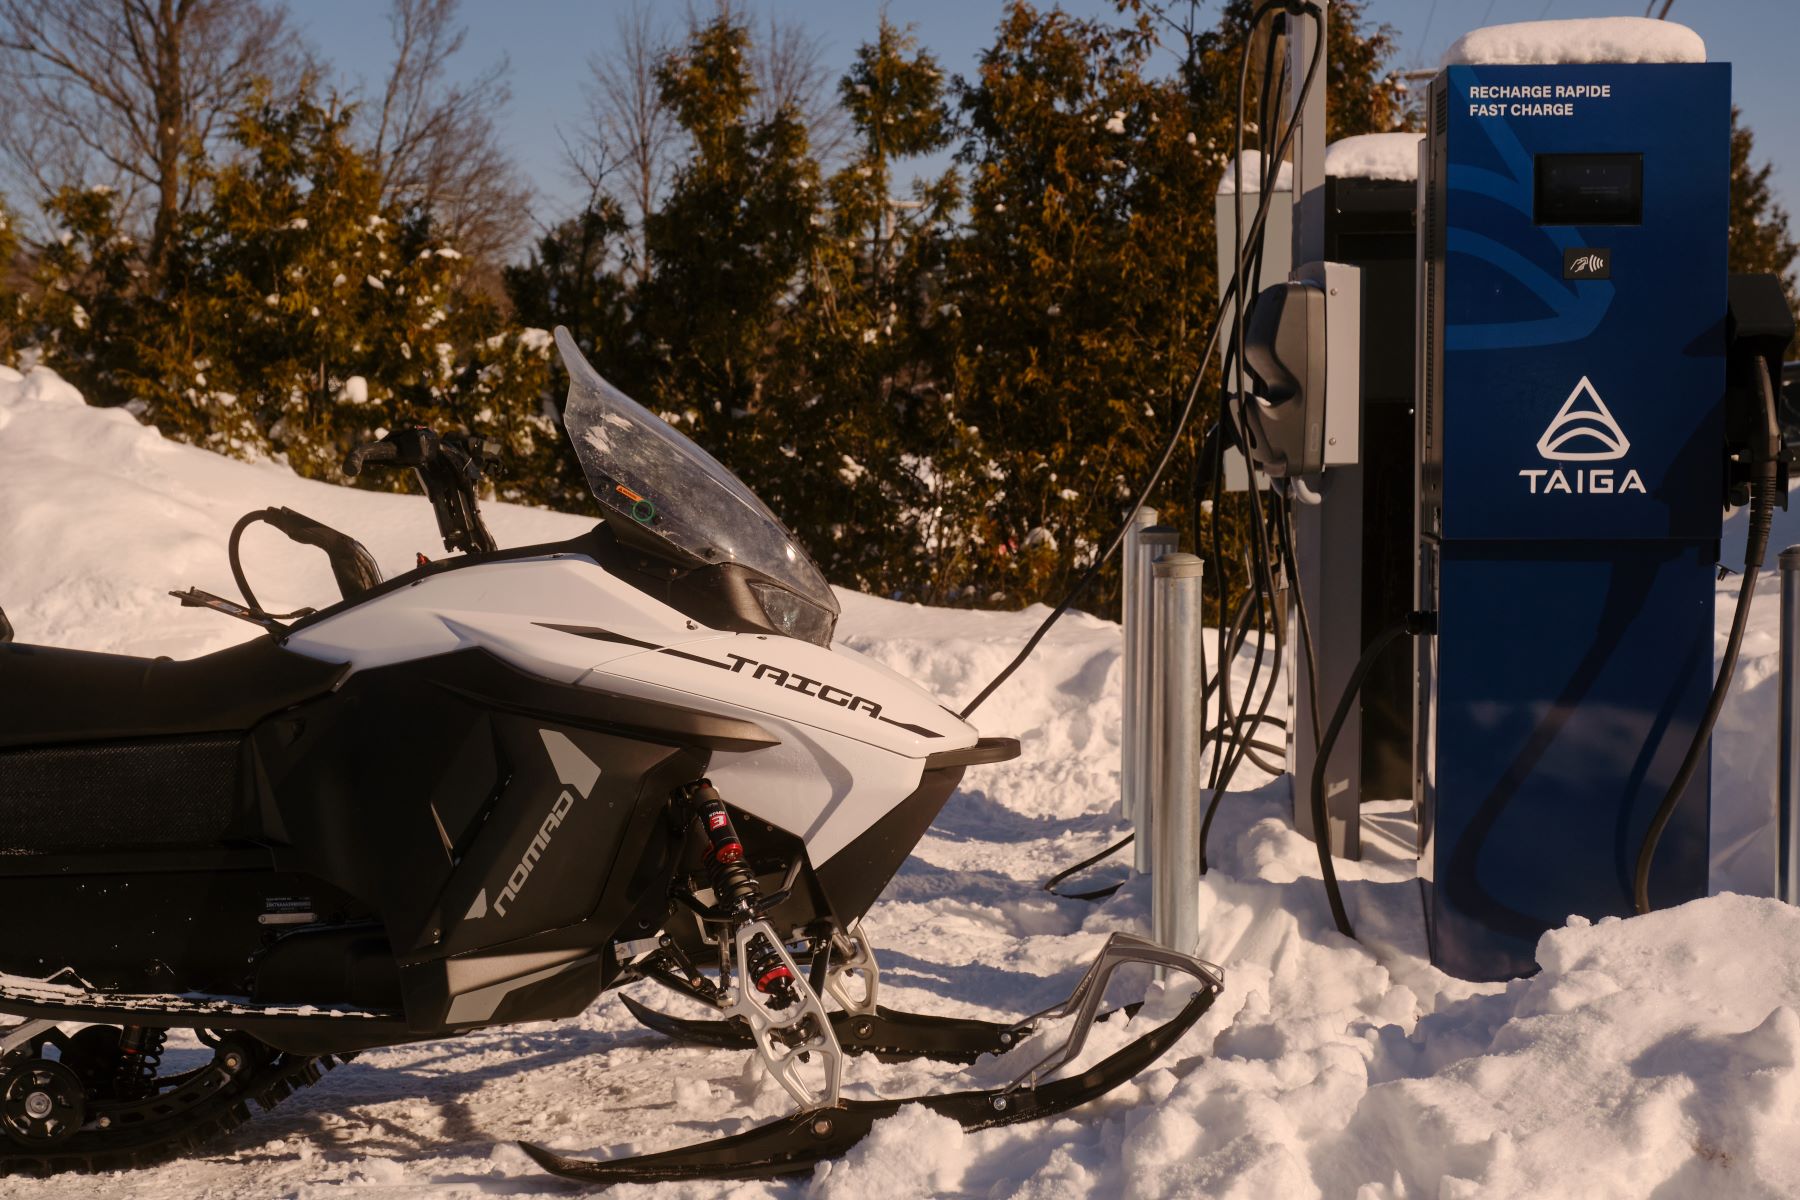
1420, 624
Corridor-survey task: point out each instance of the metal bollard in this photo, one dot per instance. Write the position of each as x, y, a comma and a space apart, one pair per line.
1134, 610
1176, 666
1787, 798
1153, 543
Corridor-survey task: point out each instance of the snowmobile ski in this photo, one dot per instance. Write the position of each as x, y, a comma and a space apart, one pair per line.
795, 1143
888, 1034
862, 1025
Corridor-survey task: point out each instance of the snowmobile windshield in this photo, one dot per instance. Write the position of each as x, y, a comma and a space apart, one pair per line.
646, 472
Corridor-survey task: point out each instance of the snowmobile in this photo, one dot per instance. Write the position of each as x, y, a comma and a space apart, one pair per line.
481, 793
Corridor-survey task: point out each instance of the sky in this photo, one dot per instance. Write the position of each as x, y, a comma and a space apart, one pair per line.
549, 43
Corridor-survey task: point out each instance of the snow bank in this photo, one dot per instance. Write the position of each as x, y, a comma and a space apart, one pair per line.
100, 517
1374, 156
1744, 743
1252, 171
1656, 1056
1580, 40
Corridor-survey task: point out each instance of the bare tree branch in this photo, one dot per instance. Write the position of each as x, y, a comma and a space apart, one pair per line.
791, 73
632, 132
130, 93
437, 142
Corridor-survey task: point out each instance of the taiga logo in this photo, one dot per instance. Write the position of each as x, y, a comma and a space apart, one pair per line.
1588, 434
1583, 430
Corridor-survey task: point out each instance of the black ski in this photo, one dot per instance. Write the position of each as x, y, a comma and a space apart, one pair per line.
890, 1035
791, 1146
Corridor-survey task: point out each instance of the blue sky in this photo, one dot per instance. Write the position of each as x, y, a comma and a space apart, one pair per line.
549, 43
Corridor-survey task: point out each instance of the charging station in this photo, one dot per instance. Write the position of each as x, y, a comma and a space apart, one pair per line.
1571, 448
1499, 409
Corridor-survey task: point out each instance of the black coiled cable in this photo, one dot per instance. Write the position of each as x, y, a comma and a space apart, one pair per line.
1756, 548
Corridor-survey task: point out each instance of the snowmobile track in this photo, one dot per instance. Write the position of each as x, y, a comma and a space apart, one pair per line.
178, 1121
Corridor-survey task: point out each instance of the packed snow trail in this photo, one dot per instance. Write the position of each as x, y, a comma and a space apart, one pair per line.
1657, 1056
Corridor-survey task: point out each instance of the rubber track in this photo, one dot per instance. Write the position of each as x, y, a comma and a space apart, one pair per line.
209, 1120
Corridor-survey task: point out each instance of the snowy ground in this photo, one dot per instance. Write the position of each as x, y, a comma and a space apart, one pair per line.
1653, 1057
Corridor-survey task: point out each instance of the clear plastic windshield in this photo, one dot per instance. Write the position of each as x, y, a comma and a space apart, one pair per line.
648, 473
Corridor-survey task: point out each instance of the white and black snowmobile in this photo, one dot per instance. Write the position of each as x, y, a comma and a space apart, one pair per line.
482, 793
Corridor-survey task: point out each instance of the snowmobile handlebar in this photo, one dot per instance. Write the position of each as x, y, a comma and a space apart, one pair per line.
448, 469
369, 452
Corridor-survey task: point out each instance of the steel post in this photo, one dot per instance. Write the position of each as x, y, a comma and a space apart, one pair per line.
1787, 801
1176, 668
1134, 611
1153, 542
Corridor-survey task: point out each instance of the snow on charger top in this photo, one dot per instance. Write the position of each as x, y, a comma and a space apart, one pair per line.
1522, 43
1577, 40
1364, 156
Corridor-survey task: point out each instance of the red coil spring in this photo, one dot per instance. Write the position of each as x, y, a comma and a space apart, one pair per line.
734, 886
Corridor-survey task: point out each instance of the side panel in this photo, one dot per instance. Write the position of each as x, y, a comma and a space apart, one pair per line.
1549, 763
840, 717
825, 788
854, 736
450, 795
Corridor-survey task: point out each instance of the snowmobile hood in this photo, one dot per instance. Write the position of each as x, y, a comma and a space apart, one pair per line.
651, 478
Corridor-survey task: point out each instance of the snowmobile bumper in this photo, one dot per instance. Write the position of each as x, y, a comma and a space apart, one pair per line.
793, 1145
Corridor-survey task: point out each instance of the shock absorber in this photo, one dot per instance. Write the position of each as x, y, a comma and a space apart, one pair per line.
734, 886
140, 1057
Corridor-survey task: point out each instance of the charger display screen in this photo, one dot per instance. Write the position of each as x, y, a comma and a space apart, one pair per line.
1589, 189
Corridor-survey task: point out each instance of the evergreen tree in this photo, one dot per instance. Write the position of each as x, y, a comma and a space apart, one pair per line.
299, 314
1363, 96
1760, 239
574, 276
1082, 282
739, 227
866, 331
88, 314
14, 315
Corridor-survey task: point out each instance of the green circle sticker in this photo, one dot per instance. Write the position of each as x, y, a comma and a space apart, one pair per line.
643, 512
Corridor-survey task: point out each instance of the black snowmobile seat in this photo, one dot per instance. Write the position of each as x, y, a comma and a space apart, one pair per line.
54, 696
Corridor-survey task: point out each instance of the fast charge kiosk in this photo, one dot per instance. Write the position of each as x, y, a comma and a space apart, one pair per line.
1570, 438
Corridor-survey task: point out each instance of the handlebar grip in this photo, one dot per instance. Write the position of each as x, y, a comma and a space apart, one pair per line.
302, 528
355, 571
372, 452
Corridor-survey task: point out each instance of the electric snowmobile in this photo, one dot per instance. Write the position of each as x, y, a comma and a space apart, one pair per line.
481, 793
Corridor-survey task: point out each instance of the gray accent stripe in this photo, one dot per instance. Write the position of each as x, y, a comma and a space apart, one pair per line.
480, 1004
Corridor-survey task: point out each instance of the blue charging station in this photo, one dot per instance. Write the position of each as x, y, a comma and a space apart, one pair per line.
1573, 301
